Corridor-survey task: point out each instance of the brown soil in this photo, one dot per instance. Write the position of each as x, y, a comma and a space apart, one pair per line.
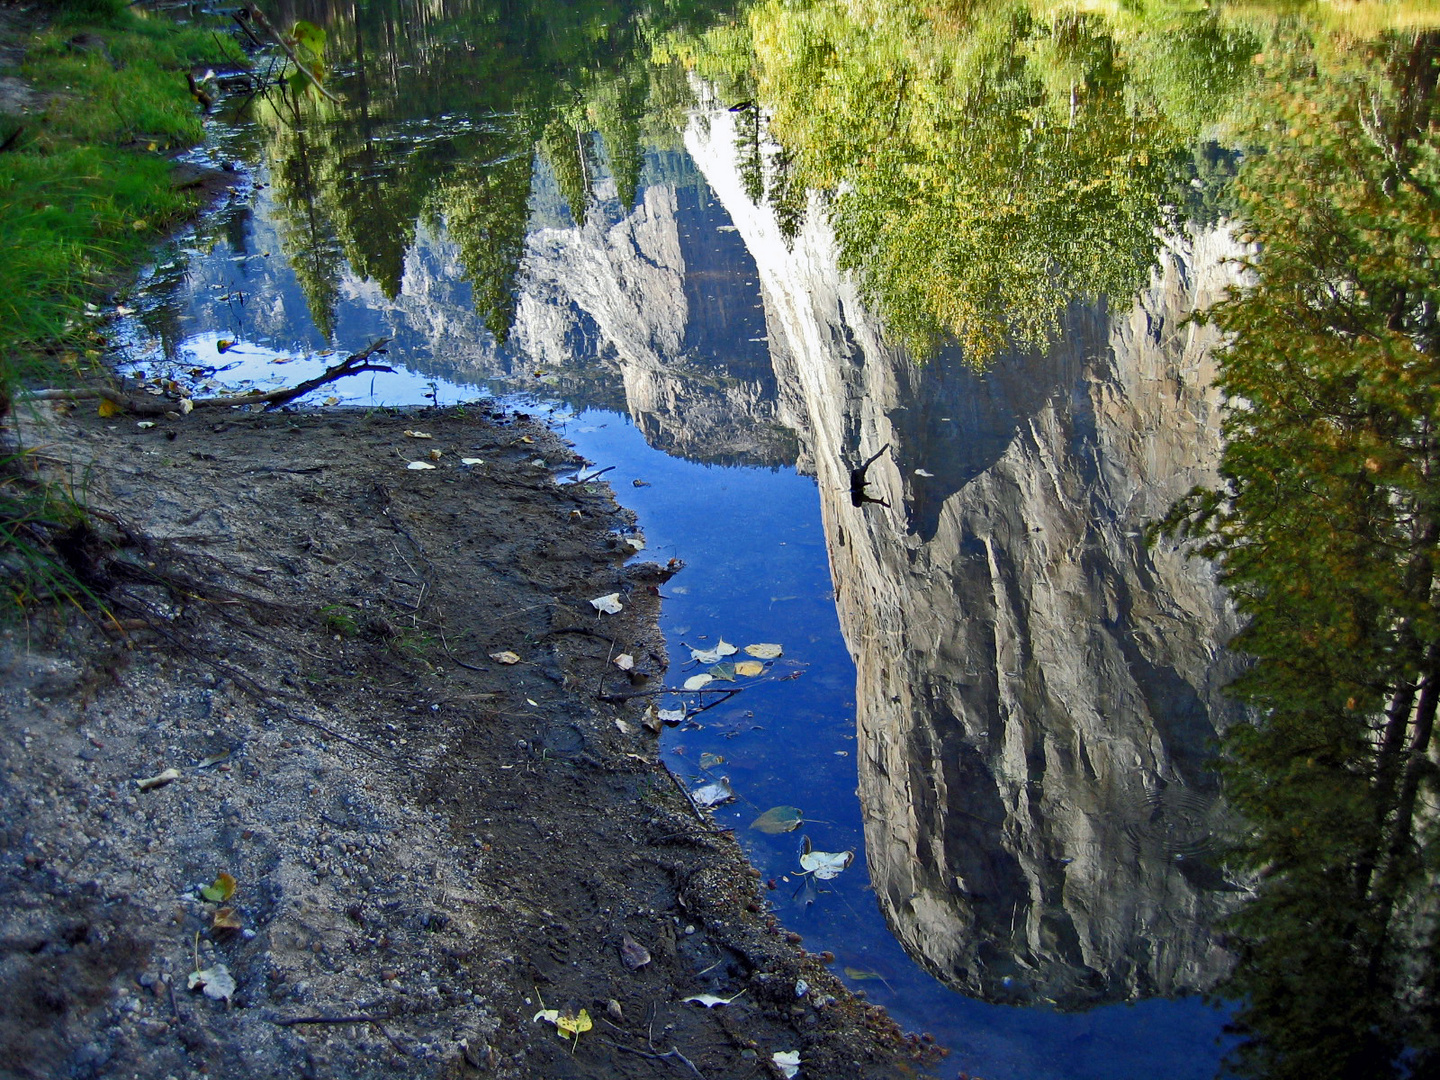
430, 845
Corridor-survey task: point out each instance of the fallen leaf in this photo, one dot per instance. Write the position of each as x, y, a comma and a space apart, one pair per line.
506, 657
634, 543
187, 406
158, 780
922, 472
226, 918
332, 400
108, 408
779, 819
417, 434
216, 981
435, 455
826, 864
625, 727
710, 656
575, 1025
609, 603
625, 661
788, 1062
221, 890
145, 425
224, 345
713, 794
526, 439
695, 682
634, 955
419, 465
711, 1000
471, 461
725, 672
652, 720
860, 976
546, 1014
749, 668
709, 760
670, 716
764, 651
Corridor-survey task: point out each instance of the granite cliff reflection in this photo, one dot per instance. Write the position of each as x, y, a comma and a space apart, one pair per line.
1037, 690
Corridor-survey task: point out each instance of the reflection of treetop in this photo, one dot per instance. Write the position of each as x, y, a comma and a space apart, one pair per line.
446, 107
984, 169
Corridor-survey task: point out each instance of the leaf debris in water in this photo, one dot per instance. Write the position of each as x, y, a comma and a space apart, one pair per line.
779, 819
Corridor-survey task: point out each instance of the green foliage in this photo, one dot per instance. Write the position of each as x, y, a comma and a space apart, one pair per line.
986, 168
1328, 529
85, 190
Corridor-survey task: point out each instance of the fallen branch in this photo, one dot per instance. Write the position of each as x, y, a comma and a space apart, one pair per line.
146, 405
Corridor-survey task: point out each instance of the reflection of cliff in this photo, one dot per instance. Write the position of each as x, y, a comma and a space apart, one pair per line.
653, 312
1036, 689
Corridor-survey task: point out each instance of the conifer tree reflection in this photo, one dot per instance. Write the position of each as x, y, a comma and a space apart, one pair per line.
1327, 525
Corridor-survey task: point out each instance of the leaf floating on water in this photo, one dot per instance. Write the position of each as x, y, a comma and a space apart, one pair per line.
922, 472
224, 345
420, 465
222, 889
609, 603
710, 656
826, 864
860, 976
332, 400
216, 981
713, 794
749, 668
788, 1062
779, 819
709, 760
725, 672
506, 657
695, 682
764, 651
670, 716
634, 955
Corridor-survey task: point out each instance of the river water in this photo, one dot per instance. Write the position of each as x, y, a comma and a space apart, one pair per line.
992, 691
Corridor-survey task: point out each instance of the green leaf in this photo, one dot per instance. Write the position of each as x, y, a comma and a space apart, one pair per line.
779, 819
222, 889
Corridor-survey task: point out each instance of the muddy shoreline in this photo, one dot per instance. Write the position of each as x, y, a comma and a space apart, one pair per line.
430, 844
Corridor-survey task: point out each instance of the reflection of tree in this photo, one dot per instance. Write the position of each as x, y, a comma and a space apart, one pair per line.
984, 171
1328, 525
447, 103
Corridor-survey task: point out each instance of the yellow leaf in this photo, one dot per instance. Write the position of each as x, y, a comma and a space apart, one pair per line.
226, 919
574, 1025
221, 890
108, 408
749, 667
506, 657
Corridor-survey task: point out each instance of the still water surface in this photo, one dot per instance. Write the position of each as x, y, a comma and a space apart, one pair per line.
992, 690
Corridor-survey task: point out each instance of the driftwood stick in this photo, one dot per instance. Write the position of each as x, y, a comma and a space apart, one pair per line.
145, 405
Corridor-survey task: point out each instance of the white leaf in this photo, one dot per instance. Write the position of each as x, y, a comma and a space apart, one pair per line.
145, 425
826, 864
695, 682
713, 794
471, 461
625, 661
609, 604
552, 1015
922, 472
712, 656
764, 651
417, 434
216, 981
670, 716
711, 1000
788, 1061
186, 405
634, 543
506, 657
419, 465
158, 780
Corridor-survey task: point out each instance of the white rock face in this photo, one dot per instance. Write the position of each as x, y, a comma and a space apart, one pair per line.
1037, 690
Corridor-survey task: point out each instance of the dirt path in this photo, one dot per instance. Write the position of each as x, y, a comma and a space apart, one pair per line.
429, 845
